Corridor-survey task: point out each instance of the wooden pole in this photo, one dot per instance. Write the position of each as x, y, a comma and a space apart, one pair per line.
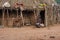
17, 13
22, 18
7, 16
35, 15
46, 17
3, 17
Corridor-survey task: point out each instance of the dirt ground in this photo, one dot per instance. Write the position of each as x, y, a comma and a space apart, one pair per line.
30, 33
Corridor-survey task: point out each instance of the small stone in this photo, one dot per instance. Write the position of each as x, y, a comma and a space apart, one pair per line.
45, 35
42, 39
52, 36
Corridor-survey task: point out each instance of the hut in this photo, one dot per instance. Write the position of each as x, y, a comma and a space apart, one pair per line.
24, 14
27, 12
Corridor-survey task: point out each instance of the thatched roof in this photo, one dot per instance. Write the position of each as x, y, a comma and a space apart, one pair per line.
27, 3
49, 2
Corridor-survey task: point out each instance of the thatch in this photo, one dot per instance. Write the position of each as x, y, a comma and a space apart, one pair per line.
27, 3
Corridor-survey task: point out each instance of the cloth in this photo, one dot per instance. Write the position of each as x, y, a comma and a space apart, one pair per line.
6, 4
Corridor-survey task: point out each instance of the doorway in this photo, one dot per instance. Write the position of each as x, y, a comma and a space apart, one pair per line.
0, 18
42, 16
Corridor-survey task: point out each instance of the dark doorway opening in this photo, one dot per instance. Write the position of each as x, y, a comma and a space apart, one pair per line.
28, 17
0, 18
42, 16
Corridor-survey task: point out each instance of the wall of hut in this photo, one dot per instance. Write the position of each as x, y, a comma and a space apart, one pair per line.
58, 14
53, 15
50, 15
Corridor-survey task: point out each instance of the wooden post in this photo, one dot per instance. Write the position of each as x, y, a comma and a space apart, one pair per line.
35, 15
46, 17
51, 15
55, 15
22, 18
17, 13
7, 17
3, 17
7, 14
